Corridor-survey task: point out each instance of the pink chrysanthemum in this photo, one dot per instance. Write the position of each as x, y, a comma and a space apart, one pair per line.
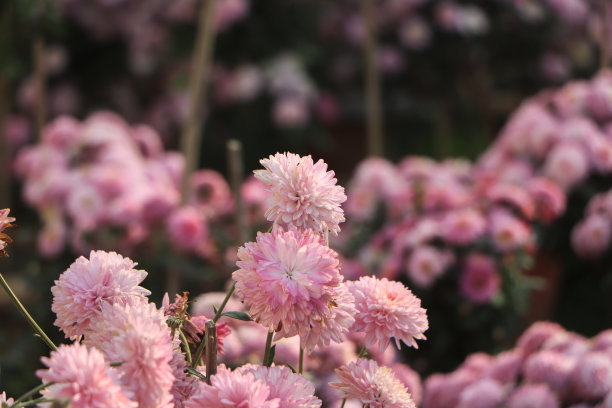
210, 193
426, 264
136, 334
304, 193
5, 222
233, 389
485, 393
187, 228
533, 396
292, 390
480, 281
536, 335
549, 367
592, 376
463, 226
291, 282
387, 309
374, 386
82, 376
106, 277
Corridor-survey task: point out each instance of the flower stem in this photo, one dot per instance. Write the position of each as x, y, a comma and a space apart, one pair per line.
33, 402
211, 350
25, 314
266, 359
227, 298
301, 362
185, 346
31, 392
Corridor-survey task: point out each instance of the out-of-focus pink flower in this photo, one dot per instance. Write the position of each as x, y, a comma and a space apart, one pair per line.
591, 237
374, 386
567, 164
533, 395
291, 112
210, 193
485, 393
426, 264
415, 34
599, 98
505, 366
136, 334
387, 309
536, 335
82, 376
16, 131
292, 284
80, 292
549, 367
508, 232
187, 228
463, 226
227, 12
443, 390
52, 238
304, 193
549, 199
592, 376
255, 197
292, 390
233, 389
480, 280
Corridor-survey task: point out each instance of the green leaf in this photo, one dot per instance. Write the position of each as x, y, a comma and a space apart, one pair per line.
238, 315
195, 372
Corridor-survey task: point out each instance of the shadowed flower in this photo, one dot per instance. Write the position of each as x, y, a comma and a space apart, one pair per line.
387, 309
304, 193
372, 385
292, 284
82, 376
5, 222
106, 277
480, 281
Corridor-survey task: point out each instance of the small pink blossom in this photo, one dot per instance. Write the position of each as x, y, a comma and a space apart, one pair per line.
426, 264
82, 376
536, 335
508, 232
485, 393
304, 193
567, 164
592, 376
549, 367
533, 396
480, 280
387, 309
372, 385
187, 229
462, 227
591, 237
80, 292
210, 193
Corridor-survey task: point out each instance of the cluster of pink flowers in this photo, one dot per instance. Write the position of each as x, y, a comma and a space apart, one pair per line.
102, 183
440, 216
549, 368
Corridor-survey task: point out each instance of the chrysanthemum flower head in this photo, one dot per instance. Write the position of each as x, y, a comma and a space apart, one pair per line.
292, 390
106, 277
291, 282
82, 376
233, 389
304, 193
387, 309
592, 376
480, 280
374, 386
5, 222
533, 396
485, 393
135, 333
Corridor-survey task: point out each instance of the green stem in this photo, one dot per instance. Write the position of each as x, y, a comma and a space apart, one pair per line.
301, 362
343, 402
185, 346
34, 402
25, 314
227, 298
266, 359
198, 353
32, 392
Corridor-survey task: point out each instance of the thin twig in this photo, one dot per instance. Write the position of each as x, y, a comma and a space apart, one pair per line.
227, 298
374, 117
32, 392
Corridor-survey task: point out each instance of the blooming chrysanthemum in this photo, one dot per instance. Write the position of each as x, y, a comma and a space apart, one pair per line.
591, 237
210, 193
374, 386
426, 264
549, 367
480, 281
387, 309
136, 334
592, 376
304, 193
82, 376
187, 228
533, 396
292, 390
106, 277
463, 226
485, 393
233, 389
5, 222
292, 284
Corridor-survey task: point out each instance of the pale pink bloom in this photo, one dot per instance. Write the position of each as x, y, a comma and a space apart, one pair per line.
513, 195
374, 386
568, 343
603, 341
592, 376
485, 393
477, 363
410, 379
104, 278
136, 334
323, 361
533, 396
480, 280
85, 205
550, 200
362, 203
304, 193
62, 133
233, 389
387, 309
292, 390
82, 376
549, 367
508, 232
600, 150
291, 111
291, 282
443, 390
3, 398
591, 237
505, 366
532, 130
185, 385
599, 97
567, 164
425, 230
148, 141
426, 264
210, 193
187, 228
463, 226
536, 335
